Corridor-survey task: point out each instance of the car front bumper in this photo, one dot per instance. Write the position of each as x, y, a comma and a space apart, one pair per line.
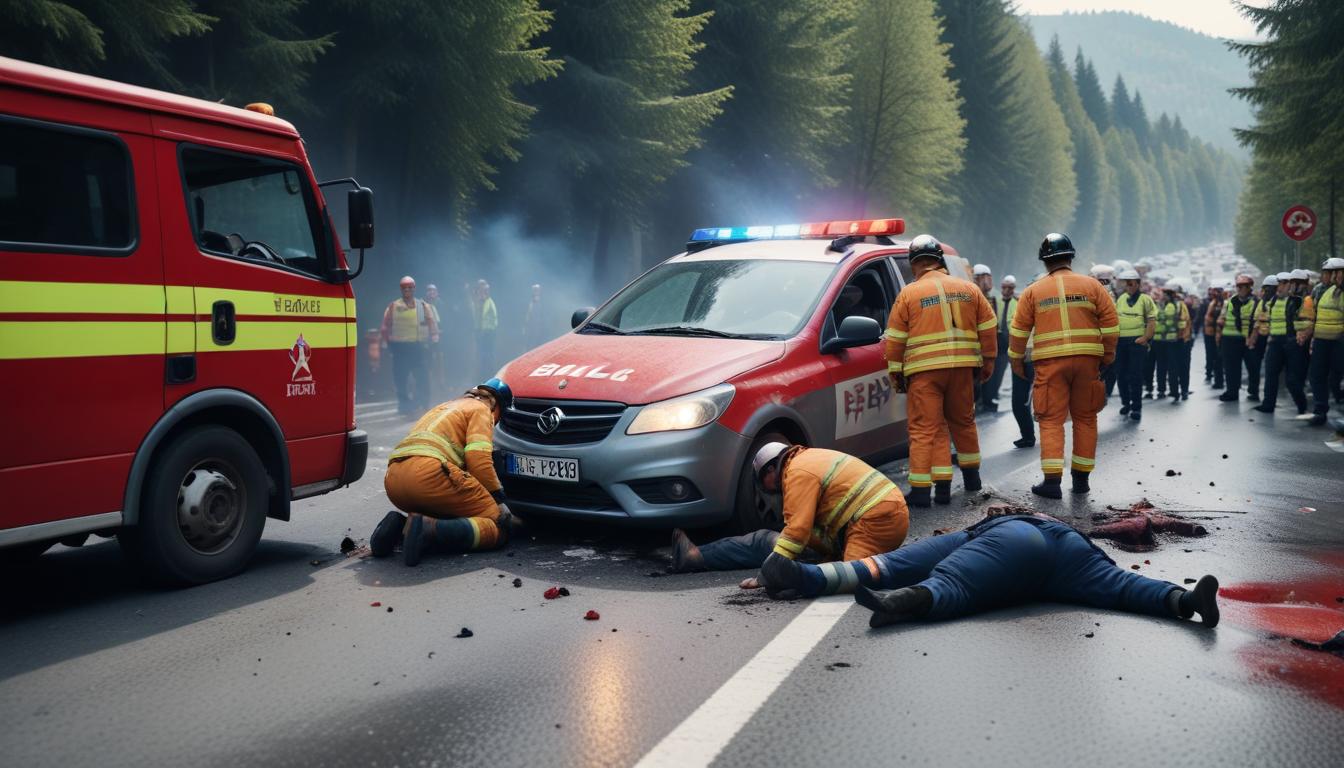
611, 471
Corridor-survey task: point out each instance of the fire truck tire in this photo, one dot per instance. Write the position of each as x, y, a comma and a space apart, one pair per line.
203, 510
752, 512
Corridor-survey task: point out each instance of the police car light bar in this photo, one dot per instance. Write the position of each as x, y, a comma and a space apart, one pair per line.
860, 228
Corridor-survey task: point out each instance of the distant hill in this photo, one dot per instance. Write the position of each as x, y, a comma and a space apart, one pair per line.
1178, 71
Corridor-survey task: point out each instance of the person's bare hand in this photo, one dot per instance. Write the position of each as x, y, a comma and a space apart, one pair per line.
751, 582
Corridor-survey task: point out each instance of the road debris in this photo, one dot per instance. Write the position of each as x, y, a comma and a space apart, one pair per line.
347, 545
1135, 528
376, 604
517, 583
592, 616
465, 633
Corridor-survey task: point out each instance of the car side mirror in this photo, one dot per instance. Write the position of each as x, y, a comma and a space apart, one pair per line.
855, 331
581, 314
360, 214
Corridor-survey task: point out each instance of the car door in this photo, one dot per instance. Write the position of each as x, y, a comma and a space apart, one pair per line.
869, 415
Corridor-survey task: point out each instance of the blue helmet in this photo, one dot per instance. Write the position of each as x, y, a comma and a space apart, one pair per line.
503, 395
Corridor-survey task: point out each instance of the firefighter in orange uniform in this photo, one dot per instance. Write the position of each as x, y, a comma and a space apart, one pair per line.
1076, 329
443, 476
940, 338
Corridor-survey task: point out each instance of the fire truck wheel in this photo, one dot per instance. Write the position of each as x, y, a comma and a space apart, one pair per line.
203, 510
754, 511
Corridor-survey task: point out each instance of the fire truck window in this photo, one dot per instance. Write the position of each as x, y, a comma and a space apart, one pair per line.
63, 189
253, 209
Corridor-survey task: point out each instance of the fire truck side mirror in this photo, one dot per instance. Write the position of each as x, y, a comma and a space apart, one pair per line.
360, 207
580, 314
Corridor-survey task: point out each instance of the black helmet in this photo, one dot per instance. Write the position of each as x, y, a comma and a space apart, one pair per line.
927, 245
1056, 246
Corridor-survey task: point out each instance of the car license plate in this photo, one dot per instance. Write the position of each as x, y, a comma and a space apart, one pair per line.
544, 467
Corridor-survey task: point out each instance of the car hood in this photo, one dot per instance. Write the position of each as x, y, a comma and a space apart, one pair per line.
635, 370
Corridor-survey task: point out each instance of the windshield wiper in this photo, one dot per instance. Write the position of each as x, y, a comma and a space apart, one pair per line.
687, 330
597, 327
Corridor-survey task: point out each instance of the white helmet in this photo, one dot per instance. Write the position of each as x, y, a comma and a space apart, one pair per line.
1129, 274
768, 453
1121, 265
1284, 277
1271, 280
1101, 270
1333, 262
980, 269
1301, 274
1010, 280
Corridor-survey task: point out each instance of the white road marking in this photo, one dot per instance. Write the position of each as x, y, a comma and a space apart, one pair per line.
703, 735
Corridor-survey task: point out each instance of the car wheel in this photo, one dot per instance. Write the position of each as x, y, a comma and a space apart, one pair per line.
754, 511
203, 509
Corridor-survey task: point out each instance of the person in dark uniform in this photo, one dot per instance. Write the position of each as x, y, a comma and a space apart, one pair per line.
1233, 329
1260, 340
1000, 561
1283, 353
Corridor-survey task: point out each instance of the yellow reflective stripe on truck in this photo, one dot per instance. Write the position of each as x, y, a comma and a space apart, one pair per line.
43, 340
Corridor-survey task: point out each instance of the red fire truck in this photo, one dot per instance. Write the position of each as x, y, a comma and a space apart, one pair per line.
177, 326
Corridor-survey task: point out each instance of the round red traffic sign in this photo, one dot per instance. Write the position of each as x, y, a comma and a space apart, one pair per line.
1299, 222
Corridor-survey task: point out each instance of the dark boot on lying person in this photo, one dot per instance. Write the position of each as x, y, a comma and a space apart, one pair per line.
387, 534
1203, 599
686, 556
890, 606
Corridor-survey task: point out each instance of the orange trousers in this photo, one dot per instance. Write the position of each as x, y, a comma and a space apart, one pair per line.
426, 486
937, 402
1068, 387
881, 529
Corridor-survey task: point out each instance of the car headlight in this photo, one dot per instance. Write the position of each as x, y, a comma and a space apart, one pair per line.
685, 412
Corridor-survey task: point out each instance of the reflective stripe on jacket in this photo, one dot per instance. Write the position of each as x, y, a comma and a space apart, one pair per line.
824, 491
1071, 314
458, 432
940, 321
1134, 313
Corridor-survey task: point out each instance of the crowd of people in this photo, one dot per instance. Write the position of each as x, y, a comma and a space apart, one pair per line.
427, 363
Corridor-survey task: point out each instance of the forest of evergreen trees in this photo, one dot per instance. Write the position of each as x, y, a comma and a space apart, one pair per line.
616, 128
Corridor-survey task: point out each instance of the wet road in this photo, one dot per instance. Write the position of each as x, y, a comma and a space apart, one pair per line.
290, 664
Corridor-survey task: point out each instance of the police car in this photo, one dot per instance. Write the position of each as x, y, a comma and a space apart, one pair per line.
650, 410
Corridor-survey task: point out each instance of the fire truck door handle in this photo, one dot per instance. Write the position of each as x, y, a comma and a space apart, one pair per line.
223, 326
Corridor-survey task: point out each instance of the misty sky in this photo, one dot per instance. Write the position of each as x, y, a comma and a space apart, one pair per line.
1218, 18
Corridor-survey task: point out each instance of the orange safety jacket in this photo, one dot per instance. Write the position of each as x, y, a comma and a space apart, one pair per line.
1071, 314
824, 491
940, 321
459, 432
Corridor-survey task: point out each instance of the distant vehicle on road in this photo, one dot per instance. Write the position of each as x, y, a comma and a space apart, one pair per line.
650, 410
177, 326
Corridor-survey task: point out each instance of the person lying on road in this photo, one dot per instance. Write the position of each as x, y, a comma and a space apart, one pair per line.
1000, 561
443, 476
834, 505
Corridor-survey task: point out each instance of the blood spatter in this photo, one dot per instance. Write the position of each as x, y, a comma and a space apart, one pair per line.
592, 616
552, 593
376, 604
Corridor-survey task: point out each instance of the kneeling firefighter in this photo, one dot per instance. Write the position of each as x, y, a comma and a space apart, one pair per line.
443, 477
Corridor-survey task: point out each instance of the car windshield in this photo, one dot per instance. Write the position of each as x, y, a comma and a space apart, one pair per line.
753, 298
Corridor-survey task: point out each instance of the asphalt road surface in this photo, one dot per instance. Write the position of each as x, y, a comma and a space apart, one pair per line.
291, 663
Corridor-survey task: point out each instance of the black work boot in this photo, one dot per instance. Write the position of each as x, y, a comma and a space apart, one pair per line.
387, 534
1229, 397
942, 491
1080, 482
918, 497
1049, 487
1203, 599
1317, 420
890, 606
781, 577
1263, 408
1124, 409
686, 556
414, 541
971, 478
1025, 442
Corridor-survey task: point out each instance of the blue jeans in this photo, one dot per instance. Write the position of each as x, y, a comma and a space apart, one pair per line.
1012, 560
735, 552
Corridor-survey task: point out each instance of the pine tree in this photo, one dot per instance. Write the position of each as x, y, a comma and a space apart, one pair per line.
122, 40
1017, 152
905, 128
618, 121
1089, 157
1129, 186
1139, 121
1122, 111
1090, 92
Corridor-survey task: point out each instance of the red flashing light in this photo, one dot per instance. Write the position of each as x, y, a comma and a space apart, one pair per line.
812, 230
864, 227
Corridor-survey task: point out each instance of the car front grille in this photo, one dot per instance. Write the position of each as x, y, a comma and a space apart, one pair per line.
572, 495
584, 421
